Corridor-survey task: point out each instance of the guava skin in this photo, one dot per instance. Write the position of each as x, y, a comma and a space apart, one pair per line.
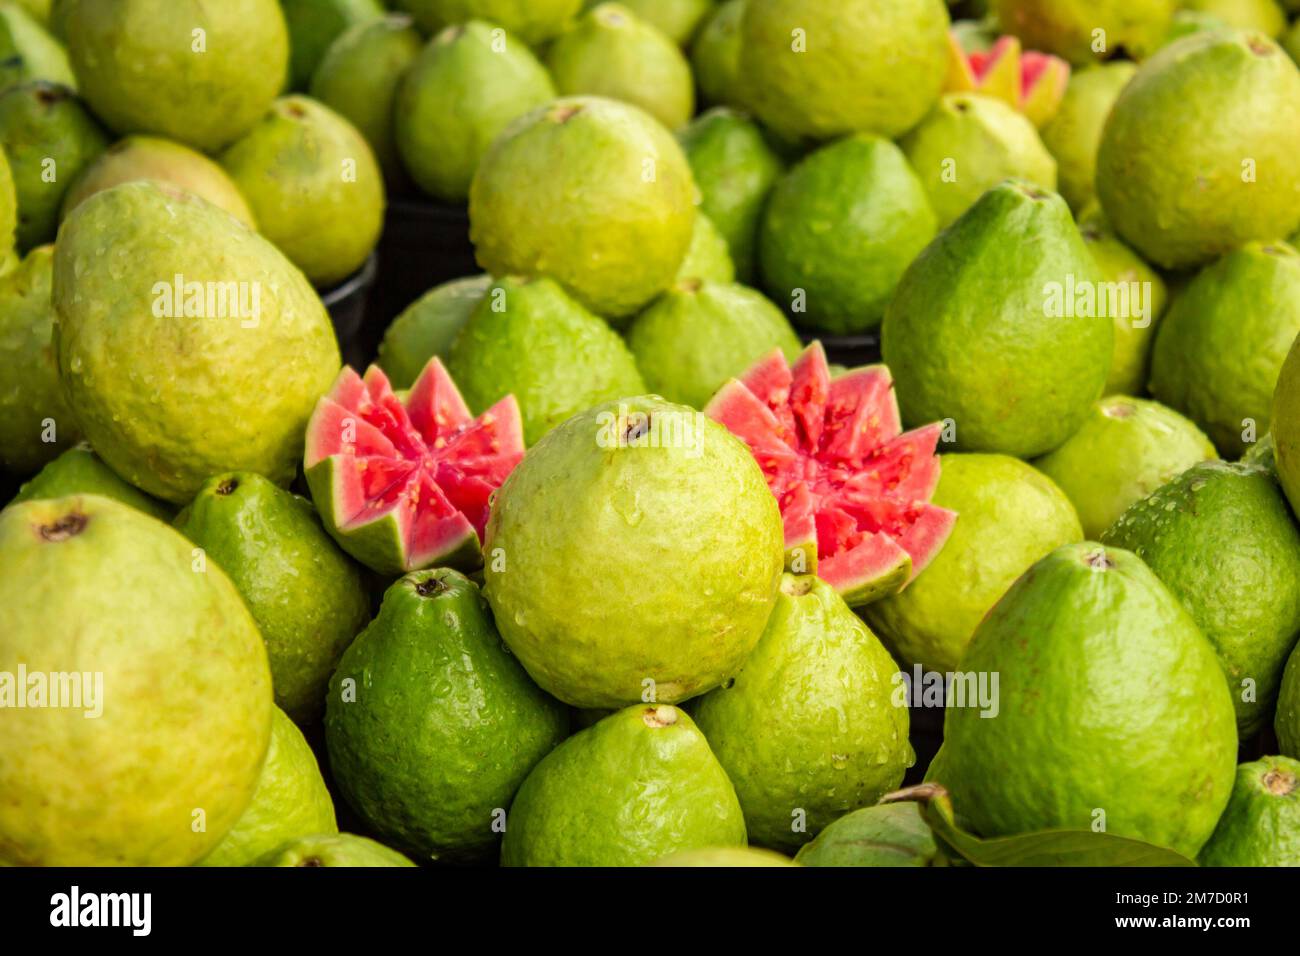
202, 99
729, 856
333, 850
1008, 516
1261, 826
808, 724
1221, 538
535, 20
432, 772
8, 212
206, 396
1170, 171
677, 19
1266, 16
715, 55
889, 834
1111, 701
542, 199
621, 561
1067, 27
893, 56
290, 801
92, 585
1286, 427
313, 25
428, 327
1074, 134
1013, 378
638, 786
709, 257
28, 52
79, 471
1286, 722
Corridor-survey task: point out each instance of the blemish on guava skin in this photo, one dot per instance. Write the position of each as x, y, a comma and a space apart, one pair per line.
562, 114
1260, 47
661, 716
637, 427
227, 487
796, 587
1279, 782
311, 861
1118, 410
431, 587
69, 526
1099, 560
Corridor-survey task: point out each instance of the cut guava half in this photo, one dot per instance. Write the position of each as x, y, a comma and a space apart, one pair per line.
854, 489
404, 483
1033, 83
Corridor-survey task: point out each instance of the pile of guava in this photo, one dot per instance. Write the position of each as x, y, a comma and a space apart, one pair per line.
871, 436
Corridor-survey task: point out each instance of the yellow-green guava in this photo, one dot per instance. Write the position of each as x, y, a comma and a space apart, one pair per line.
1074, 134
333, 850
725, 856
28, 52
1264, 16
1286, 426
1261, 825
678, 19
1084, 31
428, 327
1286, 722
709, 257
535, 20
8, 213
313, 26
715, 55
79, 471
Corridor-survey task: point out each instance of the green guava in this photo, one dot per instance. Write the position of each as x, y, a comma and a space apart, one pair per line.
333, 849
1221, 538
725, 856
889, 834
313, 26
529, 339
1261, 826
79, 471
1198, 154
612, 228
290, 801
308, 598
1286, 426
1083, 31
1291, 41
1286, 722
1008, 516
735, 170
1220, 349
467, 85
677, 19
1113, 711
612, 52
36, 423
148, 157
699, 335
28, 52
676, 516
1074, 134
709, 257
987, 330
359, 78
823, 68
1125, 449
200, 73
1187, 22
175, 683
536, 21
39, 9
48, 138
313, 185
1135, 323
808, 730
967, 145
8, 214
223, 372
840, 229
715, 55
1263, 16
428, 327
431, 725
638, 786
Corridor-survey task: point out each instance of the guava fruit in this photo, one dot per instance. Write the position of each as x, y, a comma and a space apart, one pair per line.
1261, 825
1221, 538
28, 52
39, 9
1135, 324
799, 58
8, 214
1220, 349
534, 20
1008, 516
735, 170
223, 343
1030, 82
403, 484
1264, 16
1073, 136
677, 19
990, 327
428, 327
1187, 22
612, 52
854, 491
675, 514
715, 55
148, 157
467, 85
313, 185
291, 801
709, 257
612, 229
79, 471
213, 69
839, 230
1086, 30
36, 423
698, 335
1113, 710
725, 856
967, 145
1125, 449
639, 785
1291, 41
1261, 453
308, 598
529, 339
173, 677
1286, 722
48, 138
333, 849
808, 731
433, 773
313, 25
1286, 427
1197, 157
888, 834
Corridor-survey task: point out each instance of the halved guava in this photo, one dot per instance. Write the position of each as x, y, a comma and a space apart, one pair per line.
1032, 82
406, 483
854, 490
